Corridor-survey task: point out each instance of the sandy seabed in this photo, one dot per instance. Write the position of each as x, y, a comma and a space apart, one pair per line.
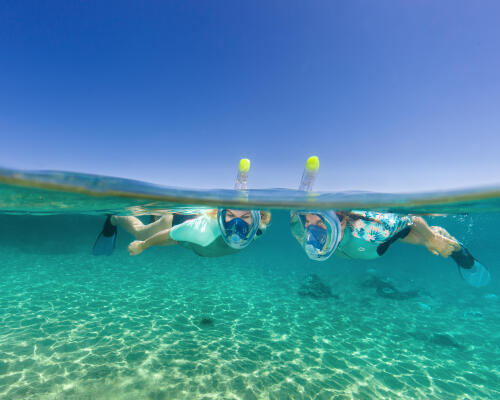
73, 326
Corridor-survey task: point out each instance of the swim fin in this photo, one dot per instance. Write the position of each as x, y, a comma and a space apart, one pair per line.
473, 272
105, 242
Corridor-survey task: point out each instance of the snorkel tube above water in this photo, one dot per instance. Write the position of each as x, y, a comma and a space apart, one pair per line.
318, 232
241, 182
309, 175
239, 228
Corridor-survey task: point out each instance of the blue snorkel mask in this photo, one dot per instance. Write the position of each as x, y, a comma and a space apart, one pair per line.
319, 242
321, 235
237, 233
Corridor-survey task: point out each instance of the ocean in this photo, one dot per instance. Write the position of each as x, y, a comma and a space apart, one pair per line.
169, 324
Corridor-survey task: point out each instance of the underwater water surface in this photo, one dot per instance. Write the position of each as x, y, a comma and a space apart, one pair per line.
263, 323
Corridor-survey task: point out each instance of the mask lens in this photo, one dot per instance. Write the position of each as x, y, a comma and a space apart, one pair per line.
316, 236
237, 227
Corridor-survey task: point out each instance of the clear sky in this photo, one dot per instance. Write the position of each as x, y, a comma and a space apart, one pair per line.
391, 95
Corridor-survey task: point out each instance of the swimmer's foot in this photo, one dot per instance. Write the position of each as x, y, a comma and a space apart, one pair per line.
136, 247
441, 242
470, 269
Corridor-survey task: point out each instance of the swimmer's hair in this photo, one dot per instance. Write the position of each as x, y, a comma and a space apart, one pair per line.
265, 217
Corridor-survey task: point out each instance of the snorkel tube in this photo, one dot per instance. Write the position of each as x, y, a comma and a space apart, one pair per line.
318, 232
236, 232
241, 182
309, 175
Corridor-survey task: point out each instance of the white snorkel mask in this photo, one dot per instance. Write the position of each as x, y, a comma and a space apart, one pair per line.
318, 232
236, 232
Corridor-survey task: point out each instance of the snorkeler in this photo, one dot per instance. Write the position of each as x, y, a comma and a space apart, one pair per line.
368, 235
209, 233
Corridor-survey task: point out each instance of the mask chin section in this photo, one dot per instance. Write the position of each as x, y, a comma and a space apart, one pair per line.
313, 253
235, 239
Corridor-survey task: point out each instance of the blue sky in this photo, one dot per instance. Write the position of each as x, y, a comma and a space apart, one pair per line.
392, 95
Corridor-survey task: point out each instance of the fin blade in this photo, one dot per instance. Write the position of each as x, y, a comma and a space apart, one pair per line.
106, 241
478, 276
104, 245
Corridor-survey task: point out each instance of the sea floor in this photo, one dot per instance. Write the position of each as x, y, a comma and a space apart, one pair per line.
171, 325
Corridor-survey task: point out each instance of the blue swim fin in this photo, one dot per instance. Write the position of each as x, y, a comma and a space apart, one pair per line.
105, 242
471, 270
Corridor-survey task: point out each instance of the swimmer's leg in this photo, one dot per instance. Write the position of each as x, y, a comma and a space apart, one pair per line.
161, 238
437, 240
136, 228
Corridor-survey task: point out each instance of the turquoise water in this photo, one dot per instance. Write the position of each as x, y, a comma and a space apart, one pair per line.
169, 324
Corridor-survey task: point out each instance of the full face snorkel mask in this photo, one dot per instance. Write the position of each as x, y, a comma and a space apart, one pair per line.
320, 239
237, 233
318, 232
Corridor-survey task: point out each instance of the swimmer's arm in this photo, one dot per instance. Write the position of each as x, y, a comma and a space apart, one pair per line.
161, 238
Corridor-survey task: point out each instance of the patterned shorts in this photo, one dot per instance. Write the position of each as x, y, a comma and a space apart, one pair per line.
375, 227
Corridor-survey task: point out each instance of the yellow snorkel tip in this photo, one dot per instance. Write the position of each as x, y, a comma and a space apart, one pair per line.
244, 165
309, 174
312, 164
242, 177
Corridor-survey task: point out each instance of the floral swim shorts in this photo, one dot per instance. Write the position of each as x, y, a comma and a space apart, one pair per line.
375, 227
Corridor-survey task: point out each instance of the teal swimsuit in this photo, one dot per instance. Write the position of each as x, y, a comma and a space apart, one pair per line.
217, 248
367, 239
201, 230
202, 235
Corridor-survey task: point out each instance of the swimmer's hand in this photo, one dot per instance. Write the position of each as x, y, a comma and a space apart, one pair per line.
136, 247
